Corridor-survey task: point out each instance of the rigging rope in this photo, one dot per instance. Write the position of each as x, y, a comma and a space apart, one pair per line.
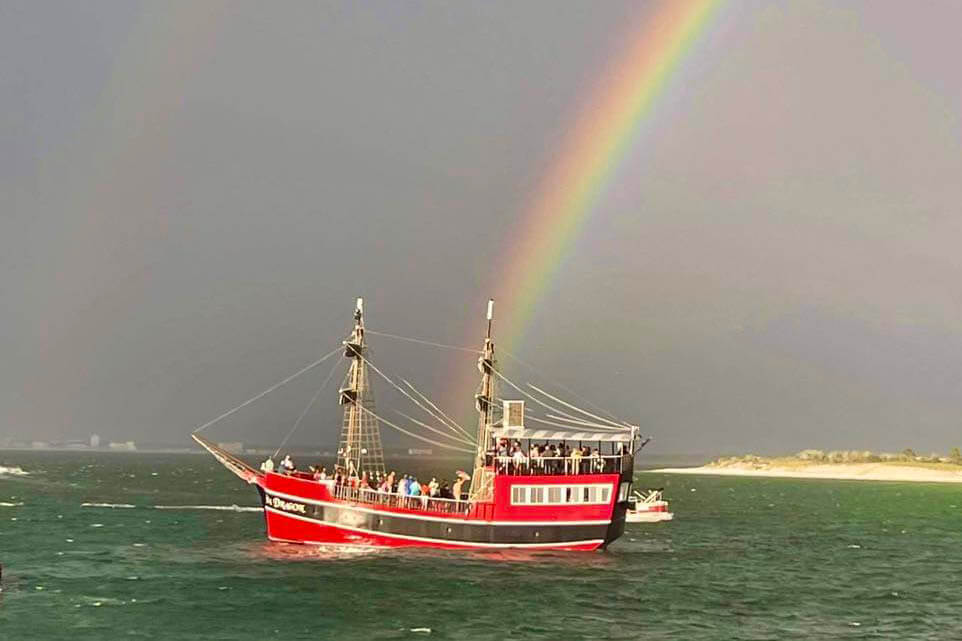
572, 428
577, 409
583, 424
393, 384
269, 390
423, 342
451, 423
578, 425
404, 431
437, 431
521, 391
307, 409
559, 385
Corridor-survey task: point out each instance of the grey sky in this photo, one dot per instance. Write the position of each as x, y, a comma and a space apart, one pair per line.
191, 196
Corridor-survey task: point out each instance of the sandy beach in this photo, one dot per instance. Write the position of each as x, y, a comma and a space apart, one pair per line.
838, 471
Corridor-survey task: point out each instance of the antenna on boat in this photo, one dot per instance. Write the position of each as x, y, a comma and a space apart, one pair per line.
360, 447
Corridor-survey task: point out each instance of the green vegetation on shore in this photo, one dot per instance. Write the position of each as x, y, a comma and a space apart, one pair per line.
950, 461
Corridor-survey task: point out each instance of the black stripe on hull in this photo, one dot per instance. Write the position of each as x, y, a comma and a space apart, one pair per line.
456, 531
617, 526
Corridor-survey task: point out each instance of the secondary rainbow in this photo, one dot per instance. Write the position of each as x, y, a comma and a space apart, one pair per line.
588, 159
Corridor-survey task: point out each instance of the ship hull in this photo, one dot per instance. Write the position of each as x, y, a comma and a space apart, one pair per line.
287, 528
296, 519
296, 511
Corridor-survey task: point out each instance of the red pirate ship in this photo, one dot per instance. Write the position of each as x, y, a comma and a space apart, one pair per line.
564, 485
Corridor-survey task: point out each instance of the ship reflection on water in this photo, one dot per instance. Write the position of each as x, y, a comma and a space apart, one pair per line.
296, 552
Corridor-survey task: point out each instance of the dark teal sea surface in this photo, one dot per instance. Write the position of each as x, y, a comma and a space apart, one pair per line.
147, 546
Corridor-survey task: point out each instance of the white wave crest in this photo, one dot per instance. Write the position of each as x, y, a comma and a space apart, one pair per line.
224, 508
13, 471
4, 504
109, 505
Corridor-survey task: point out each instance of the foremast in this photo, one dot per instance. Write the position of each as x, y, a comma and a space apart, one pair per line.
360, 448
482, 480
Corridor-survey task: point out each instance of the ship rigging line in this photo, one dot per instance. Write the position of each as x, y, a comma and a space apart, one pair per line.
269, 389
307, 409
423, 342
586, 423
404, 431
441, 415
437, 431
564, 416
568, 426
577, 409
567, 422
527, 395
395, 385
577, 397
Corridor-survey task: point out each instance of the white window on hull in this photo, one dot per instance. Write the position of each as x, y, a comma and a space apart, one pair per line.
582, 494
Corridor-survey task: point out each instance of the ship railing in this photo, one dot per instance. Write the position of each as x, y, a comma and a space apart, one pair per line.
393, 499
560, 465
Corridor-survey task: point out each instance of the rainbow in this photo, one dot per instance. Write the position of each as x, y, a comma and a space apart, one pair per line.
589, 157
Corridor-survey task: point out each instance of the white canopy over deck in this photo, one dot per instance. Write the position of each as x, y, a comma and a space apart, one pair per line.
515, 433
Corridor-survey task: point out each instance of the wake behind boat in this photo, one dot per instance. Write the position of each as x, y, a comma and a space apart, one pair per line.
564, 488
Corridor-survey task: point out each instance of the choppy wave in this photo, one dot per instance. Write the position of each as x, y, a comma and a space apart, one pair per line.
13, 471
288, 552
5, 504
224, 508
109, 505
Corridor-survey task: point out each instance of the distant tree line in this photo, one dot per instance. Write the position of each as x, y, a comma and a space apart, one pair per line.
908, 455
866, 456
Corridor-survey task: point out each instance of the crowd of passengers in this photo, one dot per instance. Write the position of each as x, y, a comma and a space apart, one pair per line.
403, 485
549, 458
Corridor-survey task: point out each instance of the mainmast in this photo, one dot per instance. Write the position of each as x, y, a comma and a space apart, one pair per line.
482, 481
360, 448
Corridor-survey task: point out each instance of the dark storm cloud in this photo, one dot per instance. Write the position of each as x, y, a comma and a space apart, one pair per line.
193, 195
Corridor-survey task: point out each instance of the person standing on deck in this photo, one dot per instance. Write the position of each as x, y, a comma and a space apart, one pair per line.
576, 460
520, 461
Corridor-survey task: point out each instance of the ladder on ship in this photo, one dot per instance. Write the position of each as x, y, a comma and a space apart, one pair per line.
359, 449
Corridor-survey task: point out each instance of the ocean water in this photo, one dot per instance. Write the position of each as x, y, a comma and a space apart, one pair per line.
142, 546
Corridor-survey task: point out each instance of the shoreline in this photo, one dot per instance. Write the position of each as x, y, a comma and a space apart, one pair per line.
835, 471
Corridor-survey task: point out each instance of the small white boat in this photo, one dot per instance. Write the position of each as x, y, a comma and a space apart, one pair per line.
650, 507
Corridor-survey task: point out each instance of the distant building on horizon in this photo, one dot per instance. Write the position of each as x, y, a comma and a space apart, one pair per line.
94, 441
40, 445
126, 446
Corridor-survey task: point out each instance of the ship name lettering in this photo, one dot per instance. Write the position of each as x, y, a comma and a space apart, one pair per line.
287, 506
